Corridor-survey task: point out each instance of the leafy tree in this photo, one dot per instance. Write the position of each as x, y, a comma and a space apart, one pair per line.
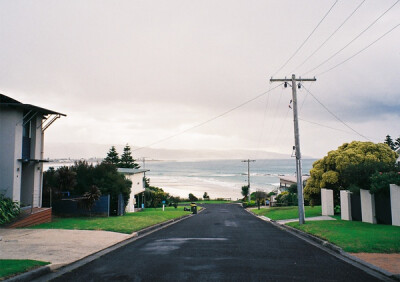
205, 196
389, 142
91, 197
192, 198
397, 142
293, 189
380, 182
50, 184
8, 209
126, 159
260, 197
112, 156
245, 192
66, 179
287, 199
84, 176
327, 172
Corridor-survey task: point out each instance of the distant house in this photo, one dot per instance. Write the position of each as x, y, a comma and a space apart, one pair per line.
22, 128
138, 187
286, 181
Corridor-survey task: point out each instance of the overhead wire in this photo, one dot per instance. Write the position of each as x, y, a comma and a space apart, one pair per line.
335, 116
354, 39
326, 126
330, 36
207, 121
362, 50
308, 37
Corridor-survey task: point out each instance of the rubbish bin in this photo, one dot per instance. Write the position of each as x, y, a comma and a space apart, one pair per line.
193, 208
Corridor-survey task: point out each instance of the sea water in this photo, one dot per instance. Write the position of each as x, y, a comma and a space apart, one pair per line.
219, 178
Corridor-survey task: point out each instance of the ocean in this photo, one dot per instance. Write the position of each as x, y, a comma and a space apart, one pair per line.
219, 178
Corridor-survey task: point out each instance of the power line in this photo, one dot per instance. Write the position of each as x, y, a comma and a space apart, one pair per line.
362, 50
326, 40
335, 116
207, 121
304, 42
326, 126
354, 39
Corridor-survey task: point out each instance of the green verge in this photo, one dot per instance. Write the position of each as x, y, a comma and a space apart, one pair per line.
128, 223
207, 202
279, 213
355, 236
11, 267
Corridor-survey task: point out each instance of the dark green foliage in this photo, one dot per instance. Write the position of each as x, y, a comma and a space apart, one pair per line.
155, 195
380, 182
112, 156
260, 197
287, 199
389, 142
91, 197
126, 160
205, 196
8, 209
245, 191
80, 178
192, 198
293, 189
357, 176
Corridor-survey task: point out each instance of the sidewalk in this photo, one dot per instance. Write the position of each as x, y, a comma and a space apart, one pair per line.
57, 246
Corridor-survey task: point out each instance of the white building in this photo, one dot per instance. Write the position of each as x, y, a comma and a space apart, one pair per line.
287, 180
22, 129
137, 188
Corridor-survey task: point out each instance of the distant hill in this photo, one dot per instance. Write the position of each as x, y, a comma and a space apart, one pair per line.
87, 150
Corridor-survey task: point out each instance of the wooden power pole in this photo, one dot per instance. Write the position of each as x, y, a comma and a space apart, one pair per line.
300, 196
248, 175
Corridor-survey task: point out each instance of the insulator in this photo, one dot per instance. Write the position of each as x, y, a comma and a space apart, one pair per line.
299, 86
285, 85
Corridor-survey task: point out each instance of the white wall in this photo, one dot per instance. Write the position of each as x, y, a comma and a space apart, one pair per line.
10, 151
136, 188
367, 206
345, 205
395, 204
327, 201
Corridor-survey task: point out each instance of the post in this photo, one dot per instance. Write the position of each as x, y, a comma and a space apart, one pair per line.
248, 176
297, 143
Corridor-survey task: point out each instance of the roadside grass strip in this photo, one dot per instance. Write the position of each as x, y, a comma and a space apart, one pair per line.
355, 236
128, 223
10, 267
279, 213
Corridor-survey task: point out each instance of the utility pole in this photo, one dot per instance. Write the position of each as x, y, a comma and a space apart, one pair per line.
297, 140
248, 174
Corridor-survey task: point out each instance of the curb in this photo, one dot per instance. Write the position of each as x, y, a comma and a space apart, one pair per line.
58, 269
327, 245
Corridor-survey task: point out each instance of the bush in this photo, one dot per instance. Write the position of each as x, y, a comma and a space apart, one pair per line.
286, 199
8, 209
380, 182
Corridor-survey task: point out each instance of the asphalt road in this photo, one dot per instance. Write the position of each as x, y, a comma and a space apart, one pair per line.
222, 243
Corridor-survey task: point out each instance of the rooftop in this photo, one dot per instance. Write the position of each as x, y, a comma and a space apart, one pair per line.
6, 101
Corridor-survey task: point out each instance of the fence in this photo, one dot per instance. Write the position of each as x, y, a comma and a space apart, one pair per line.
74, 207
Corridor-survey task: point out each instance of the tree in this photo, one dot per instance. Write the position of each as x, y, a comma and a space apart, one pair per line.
260, 197
205, 196
66, 179
397, 142
126, 160
91, 197
112, 156
192, 198
389, 142
328, 171
245, 192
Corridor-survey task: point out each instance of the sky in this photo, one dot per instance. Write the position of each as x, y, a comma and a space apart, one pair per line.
139, 72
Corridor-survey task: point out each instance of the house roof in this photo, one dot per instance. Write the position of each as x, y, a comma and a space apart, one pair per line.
132, 170
289, 178
6, 101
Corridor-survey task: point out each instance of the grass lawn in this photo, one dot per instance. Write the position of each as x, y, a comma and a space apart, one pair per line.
10, 267
278, 213
355, 236
128, 223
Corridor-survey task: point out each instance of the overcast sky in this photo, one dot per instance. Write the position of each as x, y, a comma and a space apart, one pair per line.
140, 71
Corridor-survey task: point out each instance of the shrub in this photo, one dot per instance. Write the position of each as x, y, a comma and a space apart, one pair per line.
380, 182
8, 209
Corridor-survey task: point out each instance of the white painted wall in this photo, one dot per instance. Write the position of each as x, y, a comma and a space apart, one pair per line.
10, 151
327, 201
345, 205
395, 204
136, 188
367, 206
